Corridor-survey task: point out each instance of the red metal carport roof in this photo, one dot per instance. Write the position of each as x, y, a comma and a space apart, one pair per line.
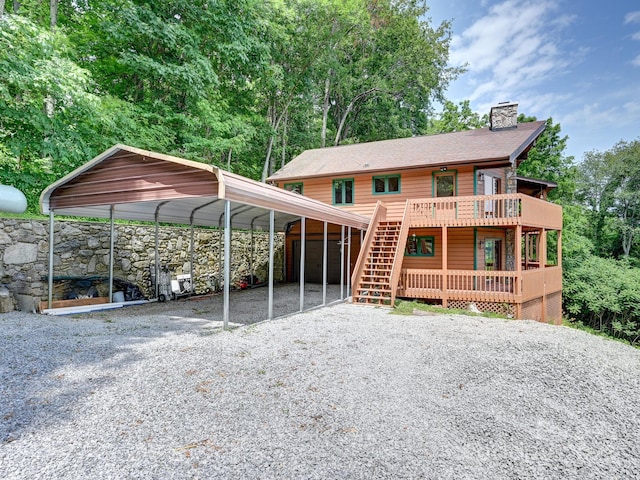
141, 184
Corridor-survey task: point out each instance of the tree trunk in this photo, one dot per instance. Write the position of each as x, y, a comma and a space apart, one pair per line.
283, 158
628, 234
265, 168
354, 100
229, 160
275, 123
1, 8
53, 8
325, 111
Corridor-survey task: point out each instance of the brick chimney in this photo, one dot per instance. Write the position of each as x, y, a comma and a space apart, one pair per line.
504, 116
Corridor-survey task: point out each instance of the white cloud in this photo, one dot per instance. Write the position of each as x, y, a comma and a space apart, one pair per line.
511, 48
632, 17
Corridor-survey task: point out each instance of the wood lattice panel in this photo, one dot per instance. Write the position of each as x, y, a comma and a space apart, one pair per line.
493, 307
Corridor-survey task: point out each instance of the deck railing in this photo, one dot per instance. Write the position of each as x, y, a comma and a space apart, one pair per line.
479, 285
507, 209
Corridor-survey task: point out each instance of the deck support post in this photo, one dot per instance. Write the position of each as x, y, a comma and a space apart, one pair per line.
518, 286
445, 266
303, 251
543, 266
559, 249
324, 265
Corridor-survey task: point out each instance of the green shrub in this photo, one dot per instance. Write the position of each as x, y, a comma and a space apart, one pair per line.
604, 294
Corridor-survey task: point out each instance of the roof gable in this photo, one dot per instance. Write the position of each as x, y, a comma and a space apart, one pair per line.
467, 147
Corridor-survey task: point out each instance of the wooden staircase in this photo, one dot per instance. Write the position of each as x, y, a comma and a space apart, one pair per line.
375, 283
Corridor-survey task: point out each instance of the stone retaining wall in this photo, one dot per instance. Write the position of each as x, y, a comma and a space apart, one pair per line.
81, 249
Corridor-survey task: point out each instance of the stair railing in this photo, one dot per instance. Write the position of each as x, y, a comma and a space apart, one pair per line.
398, 257
379, 215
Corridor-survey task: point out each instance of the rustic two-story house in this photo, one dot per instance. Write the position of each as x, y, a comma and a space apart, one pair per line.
451, 222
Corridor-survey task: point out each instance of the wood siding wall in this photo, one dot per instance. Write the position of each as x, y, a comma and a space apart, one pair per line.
314, 232
416, 183
460, 251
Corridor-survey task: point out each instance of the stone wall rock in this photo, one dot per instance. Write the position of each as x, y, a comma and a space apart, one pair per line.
81, 249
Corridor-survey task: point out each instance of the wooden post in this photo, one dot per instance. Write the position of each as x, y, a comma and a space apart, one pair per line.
543, 266
445, 262
518, 286
559, 249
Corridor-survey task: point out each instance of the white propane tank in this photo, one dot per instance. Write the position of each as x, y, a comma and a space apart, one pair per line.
12, 200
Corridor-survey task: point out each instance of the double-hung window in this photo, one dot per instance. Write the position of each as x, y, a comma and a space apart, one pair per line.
386, 184
343, 191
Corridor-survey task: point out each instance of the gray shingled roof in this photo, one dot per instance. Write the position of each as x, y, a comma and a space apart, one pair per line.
467, 147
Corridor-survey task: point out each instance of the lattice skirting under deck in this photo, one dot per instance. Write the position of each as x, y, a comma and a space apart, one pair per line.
493, 307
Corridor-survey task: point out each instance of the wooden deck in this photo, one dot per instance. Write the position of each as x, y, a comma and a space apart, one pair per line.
480, 286
484, 210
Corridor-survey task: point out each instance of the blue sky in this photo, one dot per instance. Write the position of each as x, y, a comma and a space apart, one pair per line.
577, 61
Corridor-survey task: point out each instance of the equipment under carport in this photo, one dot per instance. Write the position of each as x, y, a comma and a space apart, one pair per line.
167, 287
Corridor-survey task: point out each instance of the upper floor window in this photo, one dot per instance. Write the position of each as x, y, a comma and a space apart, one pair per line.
343, 191
294, 187
445, 184
386, 184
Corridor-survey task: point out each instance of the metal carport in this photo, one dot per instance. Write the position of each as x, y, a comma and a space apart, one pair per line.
133, 184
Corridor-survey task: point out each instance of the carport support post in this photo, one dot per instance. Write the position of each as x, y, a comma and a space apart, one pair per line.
349, 262
342, 262
157, 255
191, 258
303, 238
251, 258
272, 219
227, 262
324, 266
111, 241
50, 299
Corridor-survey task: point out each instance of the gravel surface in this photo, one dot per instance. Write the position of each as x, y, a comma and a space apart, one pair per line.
347, 391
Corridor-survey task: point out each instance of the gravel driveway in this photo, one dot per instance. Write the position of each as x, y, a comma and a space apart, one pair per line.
346, 392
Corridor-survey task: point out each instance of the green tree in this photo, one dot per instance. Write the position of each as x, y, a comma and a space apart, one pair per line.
388, 81
624, 159
609, 185
48, 111
547, 160
456, 117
